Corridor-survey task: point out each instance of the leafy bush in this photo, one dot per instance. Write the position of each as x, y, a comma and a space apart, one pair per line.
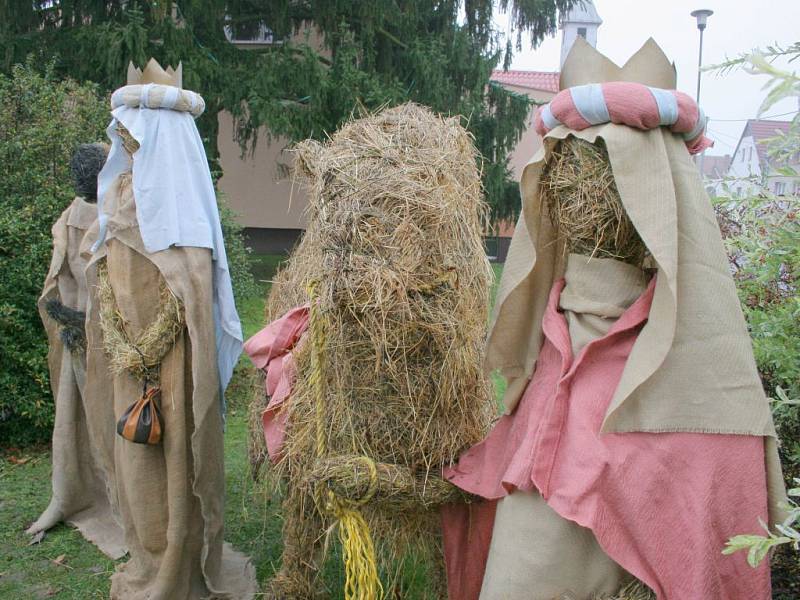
762, 233
758, 546
244, 284
763, 239
42, 120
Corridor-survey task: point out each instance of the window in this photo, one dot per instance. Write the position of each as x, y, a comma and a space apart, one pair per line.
249, 34
780, 188
582, 32
797, 188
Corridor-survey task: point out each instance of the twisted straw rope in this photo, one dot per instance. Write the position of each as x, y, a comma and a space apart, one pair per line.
361, 572
142, 355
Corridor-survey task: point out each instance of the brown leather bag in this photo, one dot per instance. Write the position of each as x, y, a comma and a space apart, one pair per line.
142, 423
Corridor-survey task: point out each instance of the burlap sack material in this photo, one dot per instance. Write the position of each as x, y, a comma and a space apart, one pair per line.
692, 368
170, 497
80, 495
598, 293
564, 552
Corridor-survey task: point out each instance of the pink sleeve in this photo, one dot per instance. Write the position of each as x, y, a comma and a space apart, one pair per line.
271, 350
278, 337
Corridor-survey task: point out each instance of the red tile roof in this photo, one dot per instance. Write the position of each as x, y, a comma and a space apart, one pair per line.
762, 130
534, 80
716, 167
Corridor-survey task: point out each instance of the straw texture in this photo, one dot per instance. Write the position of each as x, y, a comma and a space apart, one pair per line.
583, 203
394, 250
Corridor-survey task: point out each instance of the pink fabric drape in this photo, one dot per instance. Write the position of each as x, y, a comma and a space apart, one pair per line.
661, 505
271, 350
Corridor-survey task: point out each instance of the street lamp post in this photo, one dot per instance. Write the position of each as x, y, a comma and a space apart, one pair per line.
702, 19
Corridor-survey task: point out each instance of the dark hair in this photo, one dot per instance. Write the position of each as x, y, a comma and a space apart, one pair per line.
86, 162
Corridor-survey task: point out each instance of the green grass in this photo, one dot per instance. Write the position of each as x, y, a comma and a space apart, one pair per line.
65, 566
35, 571
498, 382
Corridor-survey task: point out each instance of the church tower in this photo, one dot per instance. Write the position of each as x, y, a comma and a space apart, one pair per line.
583, 21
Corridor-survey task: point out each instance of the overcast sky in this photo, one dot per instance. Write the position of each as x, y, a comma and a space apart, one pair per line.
736, 26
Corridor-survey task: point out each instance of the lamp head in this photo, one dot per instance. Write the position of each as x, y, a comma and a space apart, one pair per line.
702, 17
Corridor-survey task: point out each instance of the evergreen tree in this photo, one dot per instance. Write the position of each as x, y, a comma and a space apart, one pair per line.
332, 57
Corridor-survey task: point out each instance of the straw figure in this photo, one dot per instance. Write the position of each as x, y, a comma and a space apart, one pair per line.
80, 495
373, 354
162, 338
637, 438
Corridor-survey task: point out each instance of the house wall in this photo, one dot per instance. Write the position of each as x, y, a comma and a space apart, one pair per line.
745, 175
257, 186
530, 142
784, 185
570, 34
745, 168
745, 160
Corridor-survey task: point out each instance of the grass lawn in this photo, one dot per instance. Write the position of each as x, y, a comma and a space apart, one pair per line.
65, 566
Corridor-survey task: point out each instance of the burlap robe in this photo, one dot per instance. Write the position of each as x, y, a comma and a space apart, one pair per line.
80, 494
170, 496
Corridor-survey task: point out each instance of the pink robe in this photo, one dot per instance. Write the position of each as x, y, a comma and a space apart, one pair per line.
661, 505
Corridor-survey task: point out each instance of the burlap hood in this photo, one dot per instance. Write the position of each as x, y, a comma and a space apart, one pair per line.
692, 368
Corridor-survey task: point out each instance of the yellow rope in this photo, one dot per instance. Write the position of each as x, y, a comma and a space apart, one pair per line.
361, 572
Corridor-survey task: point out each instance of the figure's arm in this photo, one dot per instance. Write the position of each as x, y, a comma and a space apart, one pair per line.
71, 322
358, 477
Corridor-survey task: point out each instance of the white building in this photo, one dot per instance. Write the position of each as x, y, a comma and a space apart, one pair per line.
582, 21
752, 169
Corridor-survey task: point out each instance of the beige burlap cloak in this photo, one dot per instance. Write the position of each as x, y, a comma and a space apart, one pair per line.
692, 368
79, 487
170, 496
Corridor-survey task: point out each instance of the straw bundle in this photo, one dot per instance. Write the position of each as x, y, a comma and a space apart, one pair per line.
394, 248
86, 162
128, 141
72, 324
635, 590
140, 355
256, 446
582, 201
393, 487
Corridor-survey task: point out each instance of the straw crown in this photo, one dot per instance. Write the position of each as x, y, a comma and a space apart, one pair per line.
155, 73
650, 66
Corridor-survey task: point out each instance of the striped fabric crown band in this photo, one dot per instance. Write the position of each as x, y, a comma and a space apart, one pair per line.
626, 103
153, 95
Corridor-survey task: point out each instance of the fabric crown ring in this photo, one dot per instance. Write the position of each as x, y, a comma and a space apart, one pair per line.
155, 96
626, 103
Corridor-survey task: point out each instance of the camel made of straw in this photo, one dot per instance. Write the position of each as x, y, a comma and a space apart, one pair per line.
389, 385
